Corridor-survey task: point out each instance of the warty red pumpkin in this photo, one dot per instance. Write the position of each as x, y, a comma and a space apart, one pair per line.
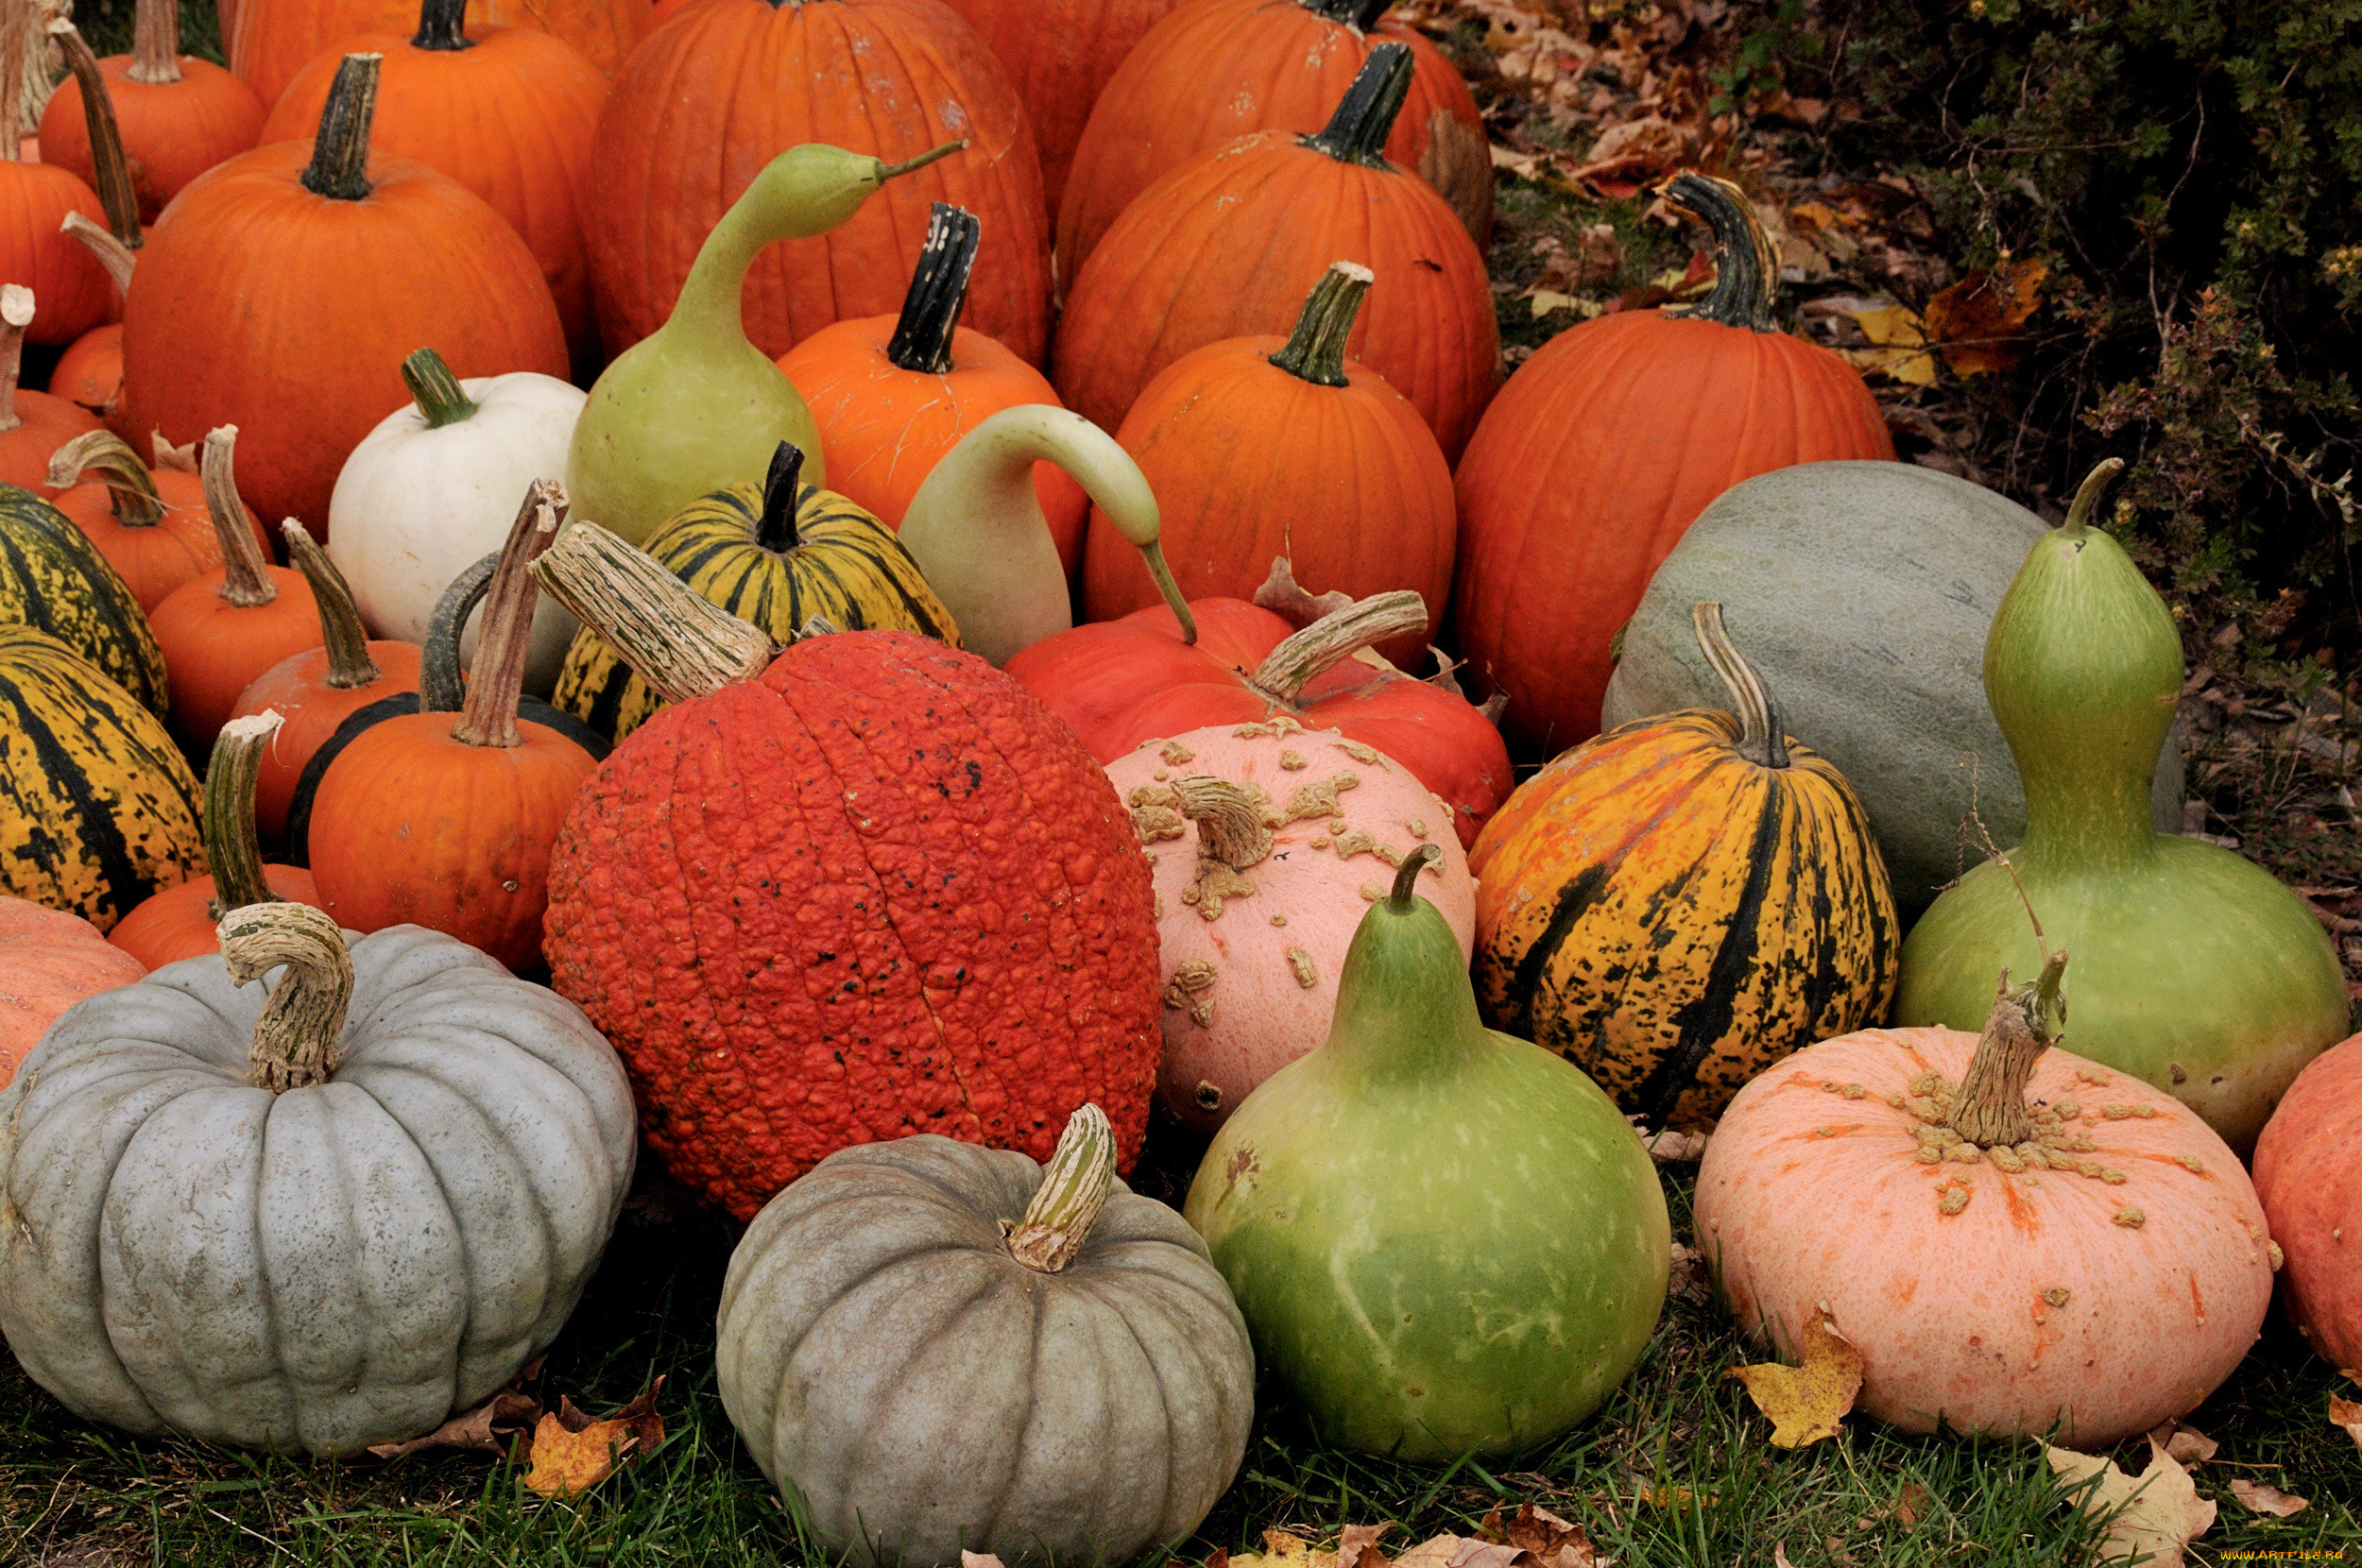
178, 116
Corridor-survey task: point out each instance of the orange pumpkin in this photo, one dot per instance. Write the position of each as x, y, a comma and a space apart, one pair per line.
178, 922
892, 394
1605, 447
1261, 447
1227, 244
510, 112
270, 41
178, 116
32, 424
1217, 70
313, 691
340, 265
154, 528
90, 372
450, 825
222, 628
49, 960
2308, 1173
34, 200
725, 87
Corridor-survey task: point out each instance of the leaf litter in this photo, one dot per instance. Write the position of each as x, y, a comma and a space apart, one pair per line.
1533, 1538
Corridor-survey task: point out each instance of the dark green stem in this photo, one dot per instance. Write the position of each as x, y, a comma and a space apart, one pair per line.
232, 851
1365, 116
1746, 273
440, 398
922, 338
1406, 887
1316, 351
341, 633
440, 688
340, 154
782, 489
441, 24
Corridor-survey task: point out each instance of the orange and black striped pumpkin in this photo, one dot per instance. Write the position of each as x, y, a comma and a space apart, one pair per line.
1677, 904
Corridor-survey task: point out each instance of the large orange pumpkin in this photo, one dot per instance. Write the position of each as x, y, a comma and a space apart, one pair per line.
892, 394
49, 960
153, 527
510, 112
1260, 447
34, 197
32, 424
722, 88
339, 265
268, 41
2308, 1173
1217, 70
1228, 244
1605, 447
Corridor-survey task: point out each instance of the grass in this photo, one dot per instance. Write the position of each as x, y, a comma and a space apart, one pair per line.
1676, 1471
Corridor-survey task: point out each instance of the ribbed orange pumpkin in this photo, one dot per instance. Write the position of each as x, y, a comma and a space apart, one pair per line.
32, 424
153, 527
340, 265
1261, 447
74, 290
1217, 70
725, 86
2308, 1173
510, 112
1605, 447
49, 960
892, 394
268, 41
1226, 246
1060, 54
90, 372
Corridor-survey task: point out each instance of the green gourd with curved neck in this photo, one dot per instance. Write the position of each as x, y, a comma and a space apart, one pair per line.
1445, 1241
696, 407
2195, 970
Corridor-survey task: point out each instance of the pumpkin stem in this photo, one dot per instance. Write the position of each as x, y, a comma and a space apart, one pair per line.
340, 153
922, 338
1336, 637
244, 575
112, 170
112, 253
674, 640
1361, 14
1406, 889
1230, 818
441, 24
1990, 1109
440, 398
782, 489
488, 718
1075, 1186
1365, 115
2087, 496
16, 313
16, 23
1746, 273
341, 631
1316, 351
442, 688
155, 42
1759, 737
231, 849
295, 1039
103, 455
888, 171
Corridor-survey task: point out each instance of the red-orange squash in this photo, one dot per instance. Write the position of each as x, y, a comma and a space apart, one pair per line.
2308, 1173
722, 88
1605, 447
1228, 244
49, 960
153, 527
892, 394
270, 41
32, 424
1261, 447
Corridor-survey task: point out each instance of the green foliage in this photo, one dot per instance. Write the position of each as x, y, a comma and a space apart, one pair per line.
1758, 65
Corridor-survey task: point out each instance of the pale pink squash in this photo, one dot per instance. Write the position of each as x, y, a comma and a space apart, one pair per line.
49, 960
1270, 841
2308, 1173
2099, 1276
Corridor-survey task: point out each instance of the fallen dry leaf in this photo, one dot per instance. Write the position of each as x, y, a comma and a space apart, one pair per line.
1779, 1555
2258, 1498
1899, 348
2153, 1515
1913, 1504
1456, 164
1978, 319
1808, 1403
1283, 1549
572, 1453
2187, 1444
2346, 1413
488, 1426
980, 1560
1672, 1497
1434, 1552
1555, 1542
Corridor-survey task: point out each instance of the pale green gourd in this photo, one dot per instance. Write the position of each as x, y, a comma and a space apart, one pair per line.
695, 406
2196, 970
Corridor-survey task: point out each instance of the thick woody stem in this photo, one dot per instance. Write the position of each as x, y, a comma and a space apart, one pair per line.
16, 313
1991, 1109
117, 198
340, 153
295, 1039
112, 253
231, 847
1759, 737
156, 43
245, 577
101, 454
443, 685
1746, 270
930, 308
1316, 351
680, 644
1230, 825
341, 631
1075, 1186
1287, 668
497, 682
17, 37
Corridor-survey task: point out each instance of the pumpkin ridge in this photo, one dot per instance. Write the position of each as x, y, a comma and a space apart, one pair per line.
101, 835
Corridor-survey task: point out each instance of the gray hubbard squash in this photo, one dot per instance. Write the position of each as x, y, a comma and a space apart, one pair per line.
313, 1220
1865, 590
938, 1348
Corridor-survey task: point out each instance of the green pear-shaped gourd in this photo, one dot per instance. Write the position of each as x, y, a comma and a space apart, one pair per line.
696, 407
1445, 1241
2196, 970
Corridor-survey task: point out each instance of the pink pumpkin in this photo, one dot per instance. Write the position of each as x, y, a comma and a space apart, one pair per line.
2308, 1173
2103, 1272
49, 960
1270, 841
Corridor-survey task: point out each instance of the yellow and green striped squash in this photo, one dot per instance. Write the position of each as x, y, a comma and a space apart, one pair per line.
1677, 904
54, 580
97, 807
741, 548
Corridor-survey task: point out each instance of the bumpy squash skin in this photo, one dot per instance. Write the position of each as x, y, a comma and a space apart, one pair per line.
2308, 1173
98, 808
878, 890
1673, 917
54, 580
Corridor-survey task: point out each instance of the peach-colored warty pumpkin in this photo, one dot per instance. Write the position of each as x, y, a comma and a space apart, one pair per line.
2308, 1173
1269, 842
49, 960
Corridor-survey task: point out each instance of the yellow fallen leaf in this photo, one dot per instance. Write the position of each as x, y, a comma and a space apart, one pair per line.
2150, 1517
1672, 1497
1546, 300
567, 1464
1900, 351
1807, 1403
2257, 1498
2346, 1413
1978, 319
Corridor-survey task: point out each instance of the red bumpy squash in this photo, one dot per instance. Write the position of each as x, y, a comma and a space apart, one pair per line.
1602, 450
2308, 1173
874, 890
178, 116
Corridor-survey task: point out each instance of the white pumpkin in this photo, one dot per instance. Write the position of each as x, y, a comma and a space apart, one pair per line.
433, 489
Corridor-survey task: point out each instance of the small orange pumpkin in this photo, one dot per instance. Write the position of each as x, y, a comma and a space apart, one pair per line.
35, 198
32, 424
270, 41
90, 372
49, 960
153, 527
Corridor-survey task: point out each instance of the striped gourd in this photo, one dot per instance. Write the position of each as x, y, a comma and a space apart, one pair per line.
744, 549
98, 808
1675, 905
54, 580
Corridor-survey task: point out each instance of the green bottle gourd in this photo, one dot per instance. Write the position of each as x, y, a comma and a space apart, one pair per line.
1445, 1241
2196, 971
696, 407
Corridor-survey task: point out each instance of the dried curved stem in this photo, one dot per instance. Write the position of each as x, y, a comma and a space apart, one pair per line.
105, 456
120, 202
497, 683
1990, 1109
1287, 668
111, 254
678, 644
1759, 737
341, 631
231, 849
245, 577
1075, 1186
295, 1039
155, 42
16, 313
